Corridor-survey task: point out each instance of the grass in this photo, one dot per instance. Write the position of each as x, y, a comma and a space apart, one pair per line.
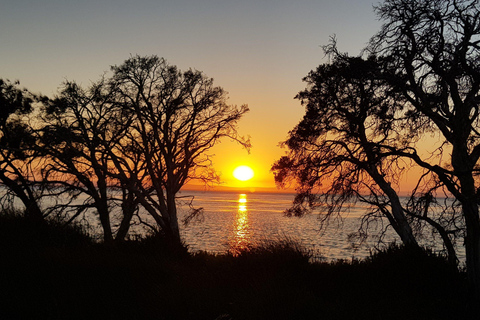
55, 272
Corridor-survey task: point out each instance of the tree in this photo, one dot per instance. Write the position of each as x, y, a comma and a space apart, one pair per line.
175, 119
350, 145
433, 52
80, 130
16, 152
135, 139
341, 150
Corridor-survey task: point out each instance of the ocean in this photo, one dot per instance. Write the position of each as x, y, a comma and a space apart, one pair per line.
230, 221
234, 220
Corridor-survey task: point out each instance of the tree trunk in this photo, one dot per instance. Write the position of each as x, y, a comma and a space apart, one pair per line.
403, 228
32, 210
104, 215
464, 171
128, 208
472, 237
400, 222
173, 219
472, 246
447, 242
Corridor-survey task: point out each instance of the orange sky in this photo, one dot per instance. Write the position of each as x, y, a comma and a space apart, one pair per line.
258, 51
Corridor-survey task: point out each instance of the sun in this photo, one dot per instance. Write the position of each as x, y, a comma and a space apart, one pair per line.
243, 173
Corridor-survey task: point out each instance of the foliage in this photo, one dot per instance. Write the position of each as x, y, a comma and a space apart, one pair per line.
134, 139
341, 151
364, 123
17, 152
176, 118
78, 130
13, 101
433, 55
70, 278
280, 251
19, 234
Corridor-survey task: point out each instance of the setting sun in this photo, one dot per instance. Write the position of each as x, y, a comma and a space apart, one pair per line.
243, 173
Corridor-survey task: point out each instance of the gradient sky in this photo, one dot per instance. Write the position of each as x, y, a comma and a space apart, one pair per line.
258, 51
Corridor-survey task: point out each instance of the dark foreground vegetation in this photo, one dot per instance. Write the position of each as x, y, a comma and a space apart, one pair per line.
406, 109
54, 272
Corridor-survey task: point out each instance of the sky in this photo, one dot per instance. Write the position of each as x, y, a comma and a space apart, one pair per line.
258, 51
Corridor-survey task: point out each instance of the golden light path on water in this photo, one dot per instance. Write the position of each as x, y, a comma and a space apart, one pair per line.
242, 236
232, 221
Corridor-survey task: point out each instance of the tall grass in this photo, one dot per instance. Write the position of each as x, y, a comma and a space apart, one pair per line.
283, 248
17, 232
55, 272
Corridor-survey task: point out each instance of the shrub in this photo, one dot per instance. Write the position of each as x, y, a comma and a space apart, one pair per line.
17, 232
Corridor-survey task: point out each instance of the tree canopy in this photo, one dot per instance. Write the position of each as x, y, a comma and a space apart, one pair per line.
128, 141
16, 149
366, 116
433, 50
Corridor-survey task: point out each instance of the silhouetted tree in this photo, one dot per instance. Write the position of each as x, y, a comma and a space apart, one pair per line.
16, 147
341, 150
350, 145
433, 52
80, 131
135, 139
175, 118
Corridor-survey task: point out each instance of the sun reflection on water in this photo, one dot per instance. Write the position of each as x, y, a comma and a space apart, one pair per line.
241, 233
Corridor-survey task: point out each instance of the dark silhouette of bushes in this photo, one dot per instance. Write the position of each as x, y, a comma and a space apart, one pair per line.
49, 272
19, 233
396, 283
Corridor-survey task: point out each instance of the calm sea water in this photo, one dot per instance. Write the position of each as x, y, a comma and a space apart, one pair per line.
234, 220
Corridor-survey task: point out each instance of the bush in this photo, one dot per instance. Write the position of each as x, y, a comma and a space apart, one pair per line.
51, 271
19, 233
275, 251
